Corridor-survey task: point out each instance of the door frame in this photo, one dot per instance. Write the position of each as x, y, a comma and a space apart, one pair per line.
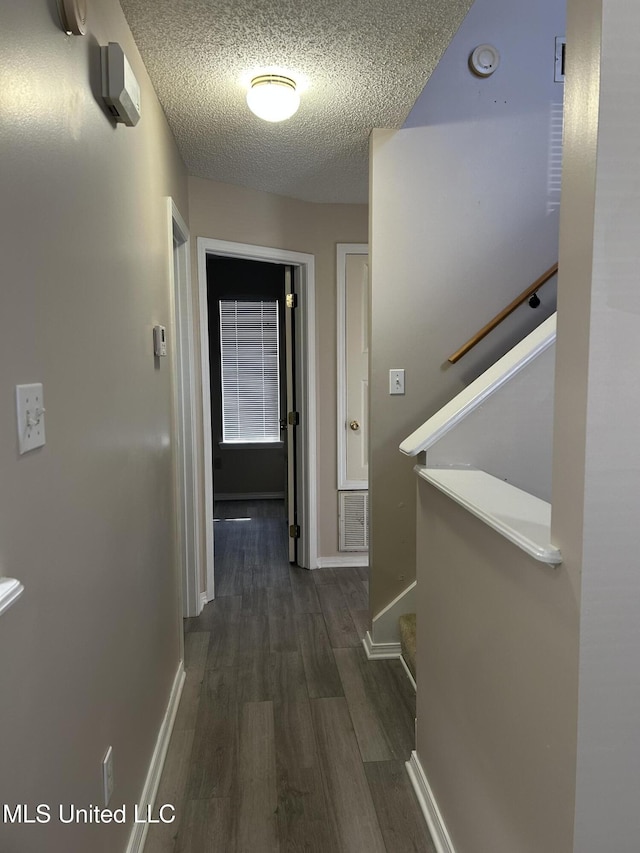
304, 264
186, 455
344, 249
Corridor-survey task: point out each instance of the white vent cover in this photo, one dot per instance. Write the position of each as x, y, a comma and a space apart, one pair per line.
353, 521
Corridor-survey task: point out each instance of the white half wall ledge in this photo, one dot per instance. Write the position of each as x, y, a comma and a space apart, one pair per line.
475, 394
10, 591
523, 519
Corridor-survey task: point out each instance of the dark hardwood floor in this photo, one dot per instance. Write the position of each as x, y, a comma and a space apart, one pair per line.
287, 738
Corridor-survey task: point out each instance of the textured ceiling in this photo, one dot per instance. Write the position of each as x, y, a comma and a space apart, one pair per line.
363, 64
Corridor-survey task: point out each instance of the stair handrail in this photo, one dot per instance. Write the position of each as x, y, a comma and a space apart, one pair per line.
511, 307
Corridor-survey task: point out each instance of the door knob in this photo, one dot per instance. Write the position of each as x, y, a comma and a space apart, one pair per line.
354, 425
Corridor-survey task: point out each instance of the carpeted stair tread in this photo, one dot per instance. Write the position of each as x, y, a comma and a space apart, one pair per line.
408, 640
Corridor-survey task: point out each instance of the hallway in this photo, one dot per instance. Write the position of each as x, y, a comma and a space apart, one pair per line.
286, 737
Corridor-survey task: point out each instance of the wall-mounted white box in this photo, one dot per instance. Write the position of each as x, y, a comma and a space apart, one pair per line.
120, 89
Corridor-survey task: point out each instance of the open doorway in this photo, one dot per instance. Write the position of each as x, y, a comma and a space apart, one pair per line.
299, 421
247, 376
251, 359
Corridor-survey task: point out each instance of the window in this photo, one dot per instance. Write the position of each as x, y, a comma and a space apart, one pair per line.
249, 355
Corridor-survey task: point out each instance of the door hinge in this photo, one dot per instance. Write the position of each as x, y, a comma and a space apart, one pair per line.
294, 418
292, 300
294, 531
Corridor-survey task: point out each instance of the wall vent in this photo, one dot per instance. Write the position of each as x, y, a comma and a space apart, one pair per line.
353, 521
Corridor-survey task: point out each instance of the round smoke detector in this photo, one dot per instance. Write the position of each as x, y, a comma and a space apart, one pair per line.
74, 16
484, 60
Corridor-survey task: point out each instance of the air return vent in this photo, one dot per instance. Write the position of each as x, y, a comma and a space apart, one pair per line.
353, 522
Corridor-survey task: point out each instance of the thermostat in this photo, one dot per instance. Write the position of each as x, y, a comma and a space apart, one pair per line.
159, 340
120, 88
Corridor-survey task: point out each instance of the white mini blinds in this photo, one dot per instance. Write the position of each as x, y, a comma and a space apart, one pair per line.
249, 353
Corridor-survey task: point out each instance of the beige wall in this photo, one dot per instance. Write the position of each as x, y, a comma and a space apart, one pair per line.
497, 676
597, 456
528, 727
89, 653
458, 229
226, 212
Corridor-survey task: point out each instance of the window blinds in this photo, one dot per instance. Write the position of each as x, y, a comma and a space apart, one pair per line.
249, 353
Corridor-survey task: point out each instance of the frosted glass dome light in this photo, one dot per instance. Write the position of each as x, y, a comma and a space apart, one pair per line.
273, 97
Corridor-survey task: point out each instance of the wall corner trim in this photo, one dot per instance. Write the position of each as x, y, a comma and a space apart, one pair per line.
204, 599
439, 833
380, 651
147, 800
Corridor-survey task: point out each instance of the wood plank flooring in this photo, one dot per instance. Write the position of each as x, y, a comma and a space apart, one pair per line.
287, 738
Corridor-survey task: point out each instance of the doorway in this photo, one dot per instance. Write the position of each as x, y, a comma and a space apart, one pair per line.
303, 294
186, 446
247, 369
251, 363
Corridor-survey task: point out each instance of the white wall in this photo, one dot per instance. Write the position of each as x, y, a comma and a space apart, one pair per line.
462, 220
89, 653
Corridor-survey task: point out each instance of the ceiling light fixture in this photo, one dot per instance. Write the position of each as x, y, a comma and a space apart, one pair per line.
273, 97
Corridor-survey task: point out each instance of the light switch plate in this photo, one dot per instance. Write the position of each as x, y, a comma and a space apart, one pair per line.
396, 381
30, 411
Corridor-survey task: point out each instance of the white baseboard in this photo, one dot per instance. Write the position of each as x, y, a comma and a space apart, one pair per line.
409, 673
386, 651
385, 627
249, 496
439, 833
139, 832
204, 599
380, 651
348, 561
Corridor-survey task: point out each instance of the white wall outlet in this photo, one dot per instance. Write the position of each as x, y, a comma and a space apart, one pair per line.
107, 775
396, 381
30, 412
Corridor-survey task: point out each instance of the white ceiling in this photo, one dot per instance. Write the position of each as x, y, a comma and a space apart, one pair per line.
365, 63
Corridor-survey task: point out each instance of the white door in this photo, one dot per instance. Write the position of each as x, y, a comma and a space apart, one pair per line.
353, 366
